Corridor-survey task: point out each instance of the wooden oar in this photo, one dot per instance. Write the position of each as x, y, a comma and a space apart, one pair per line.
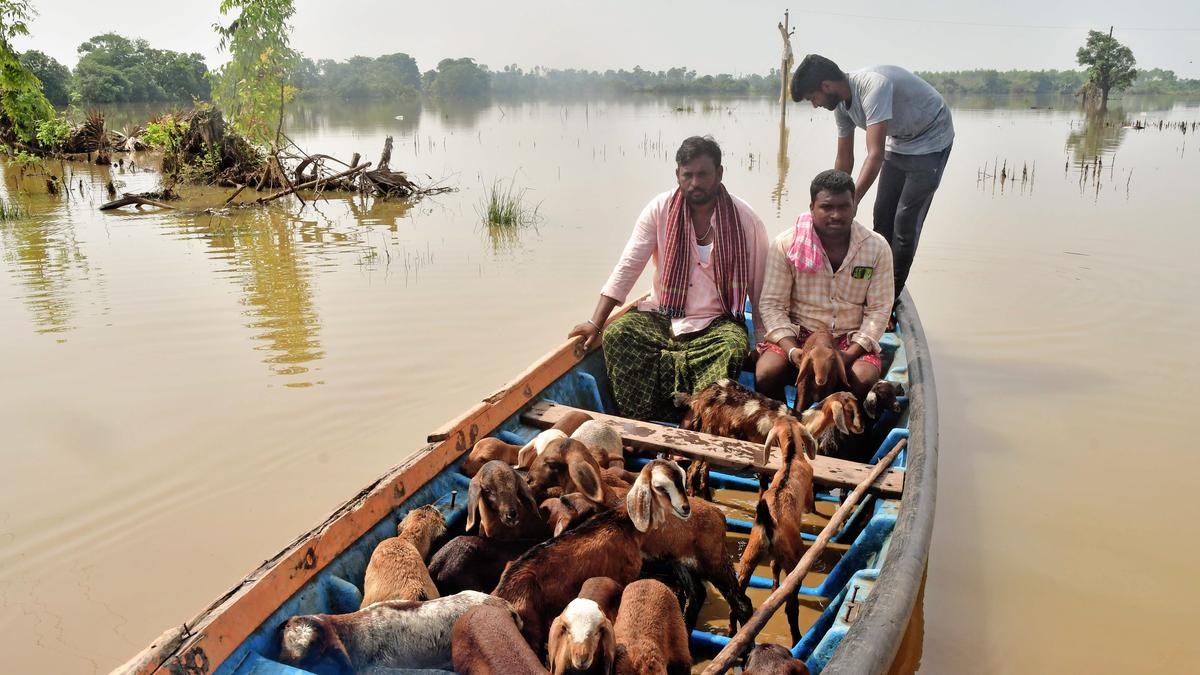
745, 637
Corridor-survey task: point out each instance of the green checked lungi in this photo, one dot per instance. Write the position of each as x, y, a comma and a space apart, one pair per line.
647, 364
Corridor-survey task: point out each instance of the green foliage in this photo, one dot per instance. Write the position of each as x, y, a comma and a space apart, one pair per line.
164, 133
54, 131
55, 77
387, 77
1110, 64
22, 103
113, 68
513, 80
505, 206
254, 86
457, 78
993, 82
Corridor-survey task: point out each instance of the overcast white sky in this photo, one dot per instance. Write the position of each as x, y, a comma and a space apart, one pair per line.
707, 35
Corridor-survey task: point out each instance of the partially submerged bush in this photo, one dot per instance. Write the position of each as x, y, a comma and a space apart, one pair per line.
505, 205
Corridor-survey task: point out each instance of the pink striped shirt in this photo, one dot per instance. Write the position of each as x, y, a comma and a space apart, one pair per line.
649, 240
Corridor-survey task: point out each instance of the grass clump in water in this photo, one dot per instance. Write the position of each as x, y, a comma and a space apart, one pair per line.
11, 210
505, 205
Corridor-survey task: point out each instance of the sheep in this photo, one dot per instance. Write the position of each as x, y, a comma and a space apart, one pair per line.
567, 464
821, 371
391, 634
487, 640
582, 640
503, 505
545, 579
397, 567
883, 397
491, 448
562, 513
603, 441
780, 513
470, 563
772, 659
651, 637
835, 423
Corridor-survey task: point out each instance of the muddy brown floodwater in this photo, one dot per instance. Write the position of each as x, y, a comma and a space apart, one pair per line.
183, 394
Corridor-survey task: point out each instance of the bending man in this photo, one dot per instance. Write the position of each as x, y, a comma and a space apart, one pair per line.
893, 104
709, 250
828, 272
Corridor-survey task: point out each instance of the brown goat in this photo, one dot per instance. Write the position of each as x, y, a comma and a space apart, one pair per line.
883, 397
542, 582
834, 421
605, 592
490, 448
568, 464
562, 513
651, 636
487, 641
582, 640
397, 567
771, 659
503, 505
604, 442
822, 370
781, 512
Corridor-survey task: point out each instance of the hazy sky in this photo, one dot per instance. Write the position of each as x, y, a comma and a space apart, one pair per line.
711, 37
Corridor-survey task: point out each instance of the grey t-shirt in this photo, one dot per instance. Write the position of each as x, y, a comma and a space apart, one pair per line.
918, 117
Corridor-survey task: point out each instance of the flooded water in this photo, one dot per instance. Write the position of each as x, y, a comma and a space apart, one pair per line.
183, 393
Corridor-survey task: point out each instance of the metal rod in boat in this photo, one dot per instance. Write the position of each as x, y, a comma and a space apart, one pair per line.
745, 637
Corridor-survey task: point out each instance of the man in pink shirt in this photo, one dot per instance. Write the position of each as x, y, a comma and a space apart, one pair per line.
709, 251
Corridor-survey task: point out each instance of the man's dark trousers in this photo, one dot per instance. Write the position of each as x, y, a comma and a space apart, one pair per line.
906, 187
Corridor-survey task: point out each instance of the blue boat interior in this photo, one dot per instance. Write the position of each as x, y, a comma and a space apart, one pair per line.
846, 584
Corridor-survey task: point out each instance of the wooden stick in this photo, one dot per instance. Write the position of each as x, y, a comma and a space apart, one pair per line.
745, 637
315, 181
128, 199
236, 192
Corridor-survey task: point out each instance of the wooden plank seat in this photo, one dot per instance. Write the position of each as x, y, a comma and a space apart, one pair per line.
719, 451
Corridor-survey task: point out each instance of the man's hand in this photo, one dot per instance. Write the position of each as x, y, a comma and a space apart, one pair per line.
588, 331
850, 354
795, 356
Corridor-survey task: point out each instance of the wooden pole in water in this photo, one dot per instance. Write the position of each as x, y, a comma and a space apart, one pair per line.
785, 65
745, 637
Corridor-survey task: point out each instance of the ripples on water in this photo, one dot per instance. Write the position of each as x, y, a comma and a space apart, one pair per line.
185, 392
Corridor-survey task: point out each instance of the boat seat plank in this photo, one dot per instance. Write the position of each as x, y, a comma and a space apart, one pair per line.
719, 451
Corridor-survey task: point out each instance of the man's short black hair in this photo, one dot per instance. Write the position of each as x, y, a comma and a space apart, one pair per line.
812, 71
832, 181
698, 146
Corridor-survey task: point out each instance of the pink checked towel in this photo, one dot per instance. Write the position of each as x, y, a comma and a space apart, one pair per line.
806, 253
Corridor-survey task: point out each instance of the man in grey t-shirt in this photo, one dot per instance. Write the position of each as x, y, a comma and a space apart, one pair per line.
909, 135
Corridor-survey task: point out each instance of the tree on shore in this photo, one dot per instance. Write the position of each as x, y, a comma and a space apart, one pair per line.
1110, 64
54, 76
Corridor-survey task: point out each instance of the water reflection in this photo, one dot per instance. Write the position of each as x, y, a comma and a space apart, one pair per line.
264, 247
1097, 135
44, 256
782, 163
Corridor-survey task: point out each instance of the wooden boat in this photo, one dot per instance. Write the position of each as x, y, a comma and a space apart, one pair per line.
867, 596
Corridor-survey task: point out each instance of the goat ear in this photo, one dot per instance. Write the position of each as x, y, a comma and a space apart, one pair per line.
639, 502
586, 478
526, 455
556, 643
805, 438
561, 526
871, 404
473, 502
608, 646
525, 494
333, 645
772, 441
839, 415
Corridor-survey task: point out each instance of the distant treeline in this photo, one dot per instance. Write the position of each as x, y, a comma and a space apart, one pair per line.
1068, 82
113, 68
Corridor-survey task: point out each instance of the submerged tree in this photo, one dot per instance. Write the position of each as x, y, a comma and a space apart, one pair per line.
1110, 64
255, 85
22, 104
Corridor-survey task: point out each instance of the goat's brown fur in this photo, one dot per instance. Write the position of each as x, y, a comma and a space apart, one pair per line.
501, 502
781, 510
486, 450
772, 659
651, 636
397, 568
822, 370
568, 464
563, 513
487, 641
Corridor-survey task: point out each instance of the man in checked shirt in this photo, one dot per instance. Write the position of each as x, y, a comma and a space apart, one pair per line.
828, 272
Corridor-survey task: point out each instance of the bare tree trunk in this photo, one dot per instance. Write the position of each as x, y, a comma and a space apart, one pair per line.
785, 65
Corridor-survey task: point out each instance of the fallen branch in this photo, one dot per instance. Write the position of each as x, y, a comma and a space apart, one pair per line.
128, 199
311, 183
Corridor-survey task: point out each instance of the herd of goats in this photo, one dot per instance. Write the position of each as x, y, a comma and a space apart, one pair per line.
572, 564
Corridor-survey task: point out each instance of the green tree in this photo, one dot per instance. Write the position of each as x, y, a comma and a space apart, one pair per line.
113, 68
1110, 64
55, 77
255, 85
22, 104
457, 78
